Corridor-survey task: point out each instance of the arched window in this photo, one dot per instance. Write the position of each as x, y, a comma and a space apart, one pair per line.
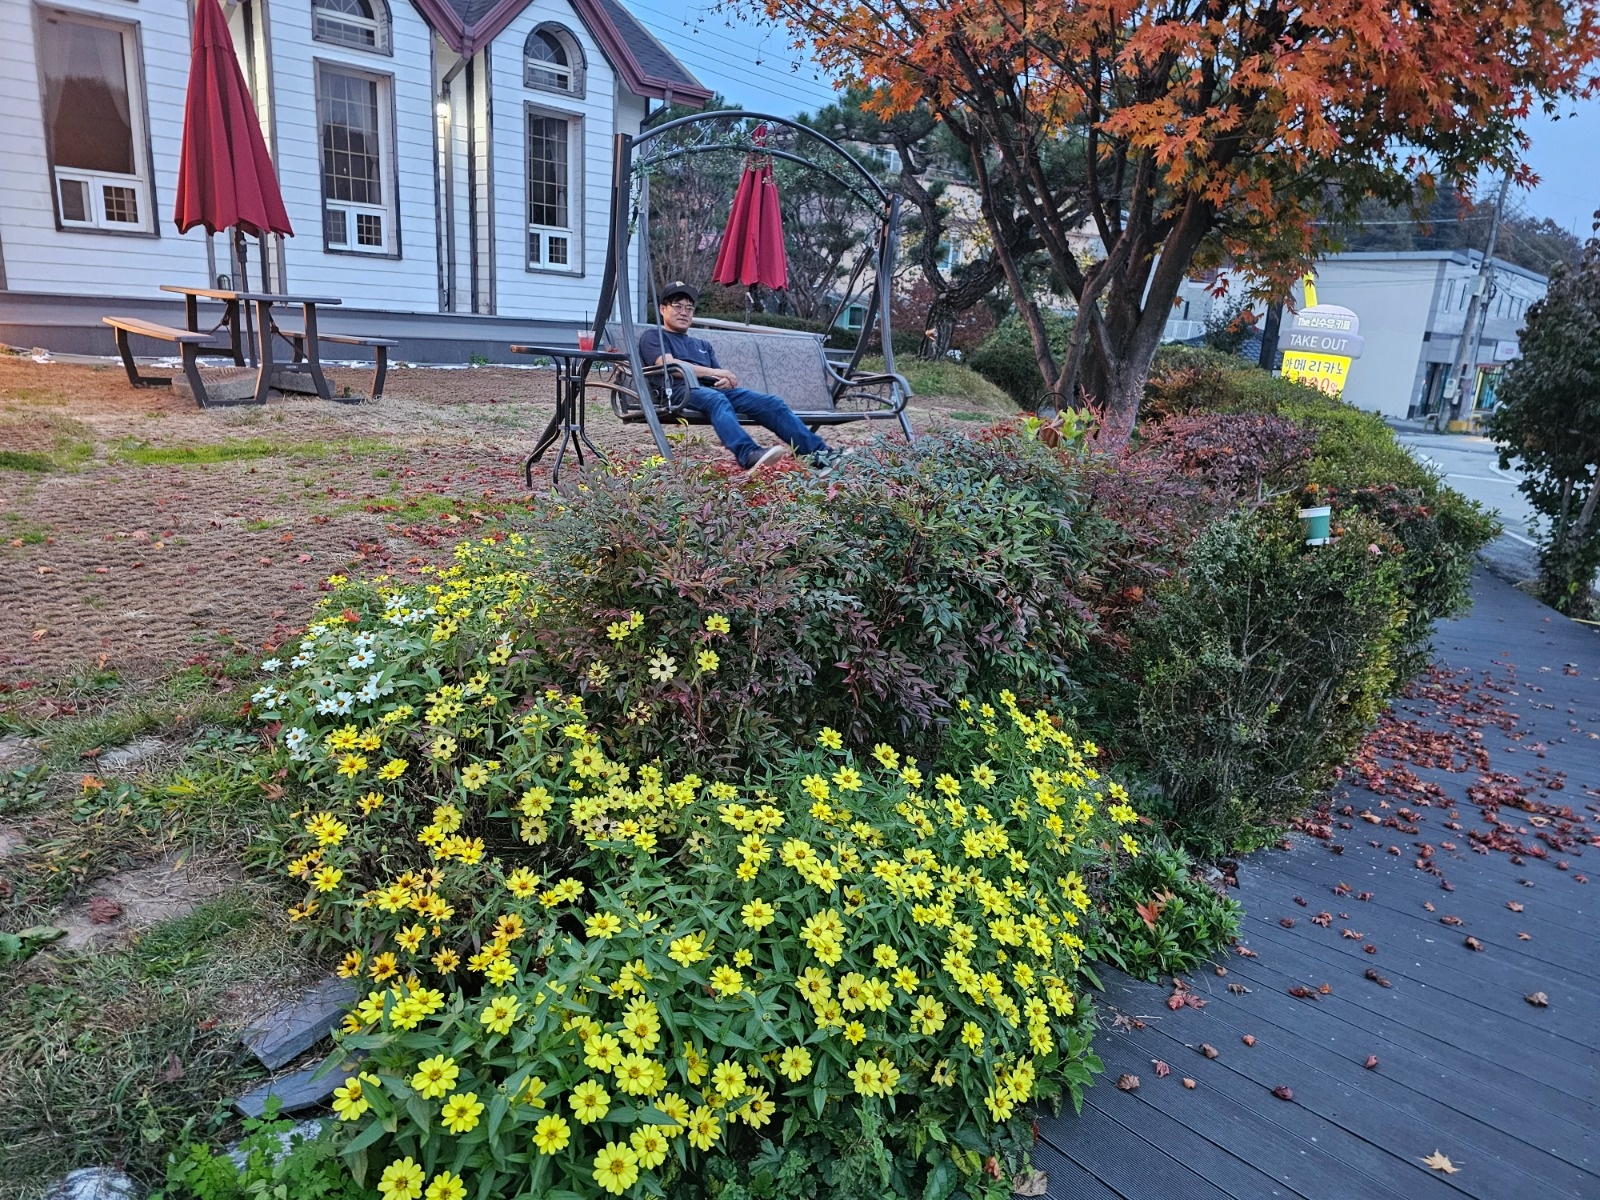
363, 24
552, 61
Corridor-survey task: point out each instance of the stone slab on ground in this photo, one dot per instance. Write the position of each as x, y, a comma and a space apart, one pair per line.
303, 1131
295, 1092
145, 896
224, 385
17, 752
135, 752
93, 1183
284, 1034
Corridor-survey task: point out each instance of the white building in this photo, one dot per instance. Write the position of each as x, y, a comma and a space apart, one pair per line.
444, 163
1413, 307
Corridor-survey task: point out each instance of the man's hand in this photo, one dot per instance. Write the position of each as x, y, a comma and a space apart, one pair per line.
717, 377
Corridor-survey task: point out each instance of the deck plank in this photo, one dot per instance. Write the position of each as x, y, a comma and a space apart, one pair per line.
1509, 1091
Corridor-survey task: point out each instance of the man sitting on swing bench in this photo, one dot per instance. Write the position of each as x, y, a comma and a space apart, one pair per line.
718, 394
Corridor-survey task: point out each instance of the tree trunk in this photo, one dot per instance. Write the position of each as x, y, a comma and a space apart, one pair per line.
937, 330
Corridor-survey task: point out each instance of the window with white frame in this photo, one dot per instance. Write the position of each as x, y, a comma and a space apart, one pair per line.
553, 61
353, 119
94, 122
552, 241
361, 24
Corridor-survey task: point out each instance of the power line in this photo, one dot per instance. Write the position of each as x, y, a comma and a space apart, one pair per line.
781, 82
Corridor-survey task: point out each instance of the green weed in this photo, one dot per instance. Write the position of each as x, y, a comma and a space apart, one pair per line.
141, 454
19, 460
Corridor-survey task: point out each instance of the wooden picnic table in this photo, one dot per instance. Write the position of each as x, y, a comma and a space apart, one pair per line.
233, 306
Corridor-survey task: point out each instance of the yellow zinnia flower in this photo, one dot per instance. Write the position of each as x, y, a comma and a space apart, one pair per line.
616, 1168
402, 1180
552, 1133
460, 1112
590, 1101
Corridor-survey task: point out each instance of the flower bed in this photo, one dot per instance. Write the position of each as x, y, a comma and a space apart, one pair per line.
588, 974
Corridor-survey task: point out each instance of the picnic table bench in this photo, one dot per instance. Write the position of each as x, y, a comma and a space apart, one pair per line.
188, 341
783, 362
380, 347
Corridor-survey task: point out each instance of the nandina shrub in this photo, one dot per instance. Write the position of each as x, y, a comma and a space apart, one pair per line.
864, 600
1159, 917
657, 979
1243, 456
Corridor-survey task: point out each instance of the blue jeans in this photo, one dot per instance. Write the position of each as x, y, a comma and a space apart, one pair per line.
724, 408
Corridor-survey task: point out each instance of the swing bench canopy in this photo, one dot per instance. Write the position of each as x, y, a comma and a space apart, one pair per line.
789, 363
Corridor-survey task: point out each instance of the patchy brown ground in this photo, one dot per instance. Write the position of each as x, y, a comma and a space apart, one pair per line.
145, 545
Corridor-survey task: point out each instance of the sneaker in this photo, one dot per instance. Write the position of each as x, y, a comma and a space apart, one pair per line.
768, 456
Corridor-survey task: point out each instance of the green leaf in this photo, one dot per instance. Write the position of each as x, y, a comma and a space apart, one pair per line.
498, 1106
942, 1180
362, 1140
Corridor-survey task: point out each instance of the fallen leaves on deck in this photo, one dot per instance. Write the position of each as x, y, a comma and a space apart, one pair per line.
1439, 1162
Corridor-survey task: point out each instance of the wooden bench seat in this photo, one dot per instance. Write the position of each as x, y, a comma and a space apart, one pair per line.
782, 362
379, 346
187, 341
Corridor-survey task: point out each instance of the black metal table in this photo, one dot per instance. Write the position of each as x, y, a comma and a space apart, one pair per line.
233, 303
572, 368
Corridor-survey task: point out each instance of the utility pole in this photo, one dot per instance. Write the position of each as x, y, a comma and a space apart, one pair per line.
1458, 388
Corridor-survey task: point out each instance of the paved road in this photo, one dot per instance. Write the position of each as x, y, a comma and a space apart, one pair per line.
1381, 980
1473, 469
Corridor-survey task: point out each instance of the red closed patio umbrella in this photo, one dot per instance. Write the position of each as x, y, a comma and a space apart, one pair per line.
225, 176
752, 250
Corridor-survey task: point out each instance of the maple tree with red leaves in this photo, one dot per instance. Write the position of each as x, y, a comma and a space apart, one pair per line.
1196, 131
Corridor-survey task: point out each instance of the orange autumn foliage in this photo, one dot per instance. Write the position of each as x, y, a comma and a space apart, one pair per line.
1198, 131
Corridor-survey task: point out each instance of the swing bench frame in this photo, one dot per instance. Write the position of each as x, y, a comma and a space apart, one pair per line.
766, 359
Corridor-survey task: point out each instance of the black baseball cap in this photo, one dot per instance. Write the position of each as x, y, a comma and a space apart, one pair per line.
679, 288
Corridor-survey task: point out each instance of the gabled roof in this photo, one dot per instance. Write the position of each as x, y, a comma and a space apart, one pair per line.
647, 67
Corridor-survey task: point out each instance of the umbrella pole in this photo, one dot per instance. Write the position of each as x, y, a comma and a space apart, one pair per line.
242, 253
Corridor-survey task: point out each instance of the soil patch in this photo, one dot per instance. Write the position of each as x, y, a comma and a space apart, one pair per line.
184, 533
137, 899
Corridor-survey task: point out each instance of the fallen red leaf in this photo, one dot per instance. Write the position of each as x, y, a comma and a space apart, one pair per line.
1513, 906
1283, 1093
1300, 992
1162, 1070
1208, 1049
1372, 1062
103, 911
1249, 1039
1188, 1083
1474, 944
1378, 979
1538, 999
1128, 1083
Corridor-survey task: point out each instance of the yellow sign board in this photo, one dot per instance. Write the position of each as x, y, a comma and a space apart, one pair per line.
1325, 372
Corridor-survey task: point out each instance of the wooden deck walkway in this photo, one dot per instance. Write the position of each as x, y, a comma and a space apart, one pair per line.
1466, 1066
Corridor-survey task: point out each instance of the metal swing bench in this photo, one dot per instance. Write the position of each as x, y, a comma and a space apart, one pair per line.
788, 363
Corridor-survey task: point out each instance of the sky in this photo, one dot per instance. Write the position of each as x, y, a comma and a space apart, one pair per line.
752, 65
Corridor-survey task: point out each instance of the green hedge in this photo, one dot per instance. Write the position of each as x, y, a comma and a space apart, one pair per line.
1006, 357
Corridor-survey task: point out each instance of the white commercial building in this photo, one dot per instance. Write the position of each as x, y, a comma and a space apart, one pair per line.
1413, 308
